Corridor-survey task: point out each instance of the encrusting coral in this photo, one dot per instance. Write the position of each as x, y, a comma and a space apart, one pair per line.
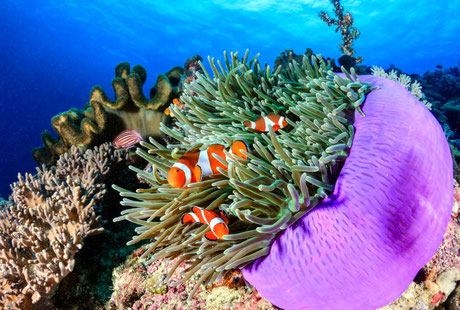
102, 119
45, 222
287, 173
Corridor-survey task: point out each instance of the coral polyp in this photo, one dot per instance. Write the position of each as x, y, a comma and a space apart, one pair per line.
285, 175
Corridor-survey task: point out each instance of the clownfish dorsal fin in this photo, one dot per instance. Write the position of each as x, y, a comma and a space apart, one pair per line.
210, 236
222, 215
197, 173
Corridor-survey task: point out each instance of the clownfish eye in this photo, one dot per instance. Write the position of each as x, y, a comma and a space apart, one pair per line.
177, 170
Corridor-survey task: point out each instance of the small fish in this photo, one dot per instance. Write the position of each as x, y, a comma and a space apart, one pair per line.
218, 224
262, 122
168, 112
127, 139
194, 165
179, 103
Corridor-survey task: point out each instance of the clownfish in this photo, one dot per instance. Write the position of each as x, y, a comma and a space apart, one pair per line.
218, 224
262, 122
195, 165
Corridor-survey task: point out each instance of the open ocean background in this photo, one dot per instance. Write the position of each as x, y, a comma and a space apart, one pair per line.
53, 52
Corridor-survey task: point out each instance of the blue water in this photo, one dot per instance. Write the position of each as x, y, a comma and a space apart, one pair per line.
53, 52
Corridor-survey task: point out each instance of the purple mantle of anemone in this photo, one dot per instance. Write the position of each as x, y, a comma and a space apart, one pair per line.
361, 247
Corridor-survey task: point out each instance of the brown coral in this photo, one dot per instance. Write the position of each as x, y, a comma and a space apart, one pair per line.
102, 119
45, 222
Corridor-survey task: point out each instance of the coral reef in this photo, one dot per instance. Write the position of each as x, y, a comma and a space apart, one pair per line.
413, 86
140, 286
442, 89
45, 222
344, 23
286, 175
383, 222
102, 119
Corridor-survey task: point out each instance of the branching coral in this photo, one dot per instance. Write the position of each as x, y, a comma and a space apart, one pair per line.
286, 174
102, 119
46, 221
344, 23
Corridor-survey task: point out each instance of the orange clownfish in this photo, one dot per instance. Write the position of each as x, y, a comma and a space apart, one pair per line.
194, 165
218, 224
262, 122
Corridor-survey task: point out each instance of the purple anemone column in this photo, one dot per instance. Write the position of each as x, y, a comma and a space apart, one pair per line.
364, 244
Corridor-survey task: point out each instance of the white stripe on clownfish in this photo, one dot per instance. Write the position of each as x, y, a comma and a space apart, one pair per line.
204, 163
280, 121
252, 125
268, 122
214, 222
204, 216
195, 217
188, 173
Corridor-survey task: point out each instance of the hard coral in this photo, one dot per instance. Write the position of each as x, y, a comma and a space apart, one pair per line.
102, 119
383, 222
45, 222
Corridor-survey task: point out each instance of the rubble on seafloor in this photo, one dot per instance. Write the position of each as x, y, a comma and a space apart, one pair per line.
139, 286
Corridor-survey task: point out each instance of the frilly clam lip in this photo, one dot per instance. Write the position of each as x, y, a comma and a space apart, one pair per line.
364, 244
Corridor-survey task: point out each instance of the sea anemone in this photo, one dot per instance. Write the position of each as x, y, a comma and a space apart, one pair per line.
361, 247
287, 172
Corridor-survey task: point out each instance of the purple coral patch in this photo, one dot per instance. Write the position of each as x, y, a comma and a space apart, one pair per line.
363, 245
